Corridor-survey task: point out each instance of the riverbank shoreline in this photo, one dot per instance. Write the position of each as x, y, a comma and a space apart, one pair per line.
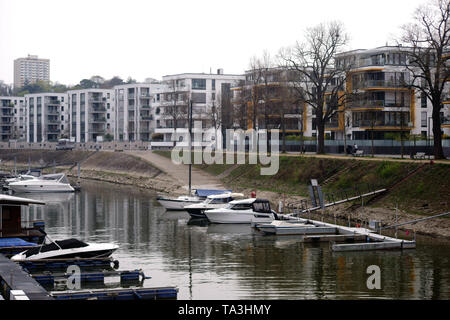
140, 173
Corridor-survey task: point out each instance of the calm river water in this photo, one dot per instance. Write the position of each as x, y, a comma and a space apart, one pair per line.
234, 261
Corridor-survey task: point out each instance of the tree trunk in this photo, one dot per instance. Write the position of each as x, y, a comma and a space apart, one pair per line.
437, 136
283, 129
320, 137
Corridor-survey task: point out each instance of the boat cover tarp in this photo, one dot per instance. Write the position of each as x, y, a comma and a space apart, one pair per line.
208, 192
64, 244
15, 242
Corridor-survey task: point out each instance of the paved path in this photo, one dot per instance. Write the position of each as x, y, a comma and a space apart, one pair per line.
200, 179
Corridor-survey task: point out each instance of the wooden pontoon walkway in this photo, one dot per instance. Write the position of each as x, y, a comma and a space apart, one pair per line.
13, 277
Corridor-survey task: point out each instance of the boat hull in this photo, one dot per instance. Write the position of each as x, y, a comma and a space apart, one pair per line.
217, 216
175, 204
92, 251
30, 188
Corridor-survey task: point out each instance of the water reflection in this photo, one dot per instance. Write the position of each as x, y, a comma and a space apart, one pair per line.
234, 261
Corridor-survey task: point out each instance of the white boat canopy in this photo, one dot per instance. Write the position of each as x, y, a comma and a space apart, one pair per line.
58, 177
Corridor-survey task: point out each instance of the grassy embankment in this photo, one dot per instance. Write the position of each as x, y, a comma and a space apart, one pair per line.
417, 187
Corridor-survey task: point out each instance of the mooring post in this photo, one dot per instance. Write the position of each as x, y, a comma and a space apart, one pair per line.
396, 218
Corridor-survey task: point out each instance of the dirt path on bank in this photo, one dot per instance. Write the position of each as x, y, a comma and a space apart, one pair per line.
180, 173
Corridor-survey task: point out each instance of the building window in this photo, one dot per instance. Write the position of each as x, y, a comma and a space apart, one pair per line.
423, 100
199, 84
423, 119
213, 84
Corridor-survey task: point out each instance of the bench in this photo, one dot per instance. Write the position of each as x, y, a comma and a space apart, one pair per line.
419, 155
358, 153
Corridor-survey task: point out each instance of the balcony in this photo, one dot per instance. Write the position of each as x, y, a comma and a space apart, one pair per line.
378, 104
97, 120
53, 103
379, 123
375, 84
98, 110
445, 121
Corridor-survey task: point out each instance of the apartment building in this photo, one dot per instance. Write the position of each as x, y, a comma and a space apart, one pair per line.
382, 103
92, 114
30, 69
266, 100
47, 116
135, 111
172, 100
12, 118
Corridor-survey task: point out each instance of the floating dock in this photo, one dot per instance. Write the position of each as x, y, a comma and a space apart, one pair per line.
14, 279
119, 294
356, 239
49, 279
34, 266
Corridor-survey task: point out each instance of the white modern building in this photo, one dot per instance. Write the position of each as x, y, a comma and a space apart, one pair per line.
47, 116
13, 118
30, 69
135, 111
172, 105
92, 115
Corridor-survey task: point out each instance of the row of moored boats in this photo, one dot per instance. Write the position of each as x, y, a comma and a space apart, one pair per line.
222, 206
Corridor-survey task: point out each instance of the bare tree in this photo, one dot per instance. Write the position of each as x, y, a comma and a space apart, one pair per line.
241, 96
176, 108
427, 40
216, 116
313, 65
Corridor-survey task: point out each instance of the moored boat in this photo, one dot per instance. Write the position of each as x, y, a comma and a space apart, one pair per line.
212, 202
182, 201
67, 249
47, 183
243, 211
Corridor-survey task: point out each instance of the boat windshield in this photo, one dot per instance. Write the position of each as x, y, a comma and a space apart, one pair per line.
220, 200
241, 206
63, 244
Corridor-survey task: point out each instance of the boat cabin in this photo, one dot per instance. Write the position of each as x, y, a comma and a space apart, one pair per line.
11, 220
257, 205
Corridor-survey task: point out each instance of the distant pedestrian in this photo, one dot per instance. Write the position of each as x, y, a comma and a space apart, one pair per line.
349, 149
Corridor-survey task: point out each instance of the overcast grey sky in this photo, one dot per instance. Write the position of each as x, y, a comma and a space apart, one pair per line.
143, 39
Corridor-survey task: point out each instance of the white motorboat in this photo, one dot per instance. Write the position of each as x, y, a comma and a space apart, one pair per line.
213, 201
178, 203
182, 201
47, 183
243, 211
67, 249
